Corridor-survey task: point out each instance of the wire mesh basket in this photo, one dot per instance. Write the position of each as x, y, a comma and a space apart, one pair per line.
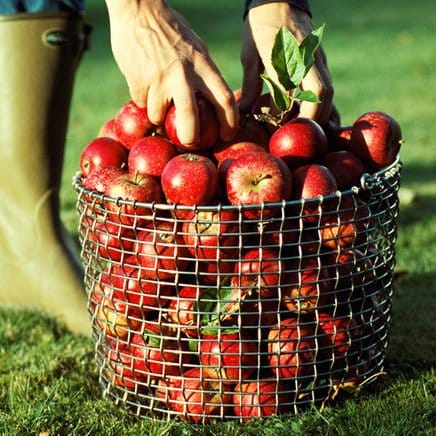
202, 313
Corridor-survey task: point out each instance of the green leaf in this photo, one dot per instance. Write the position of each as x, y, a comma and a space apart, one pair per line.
279, 95
308, 47
286, 59
308, 95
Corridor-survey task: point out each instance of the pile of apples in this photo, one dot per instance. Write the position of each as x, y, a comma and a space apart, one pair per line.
228, 279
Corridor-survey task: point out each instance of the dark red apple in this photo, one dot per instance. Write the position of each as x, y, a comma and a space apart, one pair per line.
259, 271
189, 179
131, 123
298, 142
230, 357
207, 232
149, 155
102, 152
133, 188
161, 252
339, 138
310, 182
376, 139
260, 398
256, 178
291, 348
208, 122
194, 397
346, 167
157, 354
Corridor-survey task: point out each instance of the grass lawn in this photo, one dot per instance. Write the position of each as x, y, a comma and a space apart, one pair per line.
382, 57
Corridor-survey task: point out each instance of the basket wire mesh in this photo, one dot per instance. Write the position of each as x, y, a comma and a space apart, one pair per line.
201, 313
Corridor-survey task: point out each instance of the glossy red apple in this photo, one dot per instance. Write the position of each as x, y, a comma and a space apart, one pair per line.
298, 142
310, 182
208, 126
189, 179
102, 152
339, 138
233, 149
291, 348
256, 178
131, 123
346, 167
149, 155
107, 130
133, 188
100, 178
376, 139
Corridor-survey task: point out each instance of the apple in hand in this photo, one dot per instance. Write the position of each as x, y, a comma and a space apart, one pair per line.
131, 123
298, 142
189, 179
102, 152
346, 167
376, 139
310, 182
208, 123
134, 188
149, 155
256, 178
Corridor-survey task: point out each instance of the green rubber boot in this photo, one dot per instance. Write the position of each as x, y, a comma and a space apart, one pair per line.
39, 267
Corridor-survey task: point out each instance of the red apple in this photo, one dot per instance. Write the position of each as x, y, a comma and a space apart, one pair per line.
208, 126
206, 233
346, 167
309, 285
291, 348
339, 332
161, 252
112, 240
189, 179
100, 178
259, 271
115, 316
133, 188
259, 398
253, 131
347, 225
339, 138
194, 397
376, 139
102, 152
157, 354
149, 155
107, 130
310, 182
298, 142
230, 357
256, 178
131, 123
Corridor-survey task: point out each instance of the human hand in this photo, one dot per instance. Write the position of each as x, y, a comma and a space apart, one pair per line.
164, 61
261, 26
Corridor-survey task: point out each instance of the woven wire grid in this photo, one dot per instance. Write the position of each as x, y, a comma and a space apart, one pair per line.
201, 313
